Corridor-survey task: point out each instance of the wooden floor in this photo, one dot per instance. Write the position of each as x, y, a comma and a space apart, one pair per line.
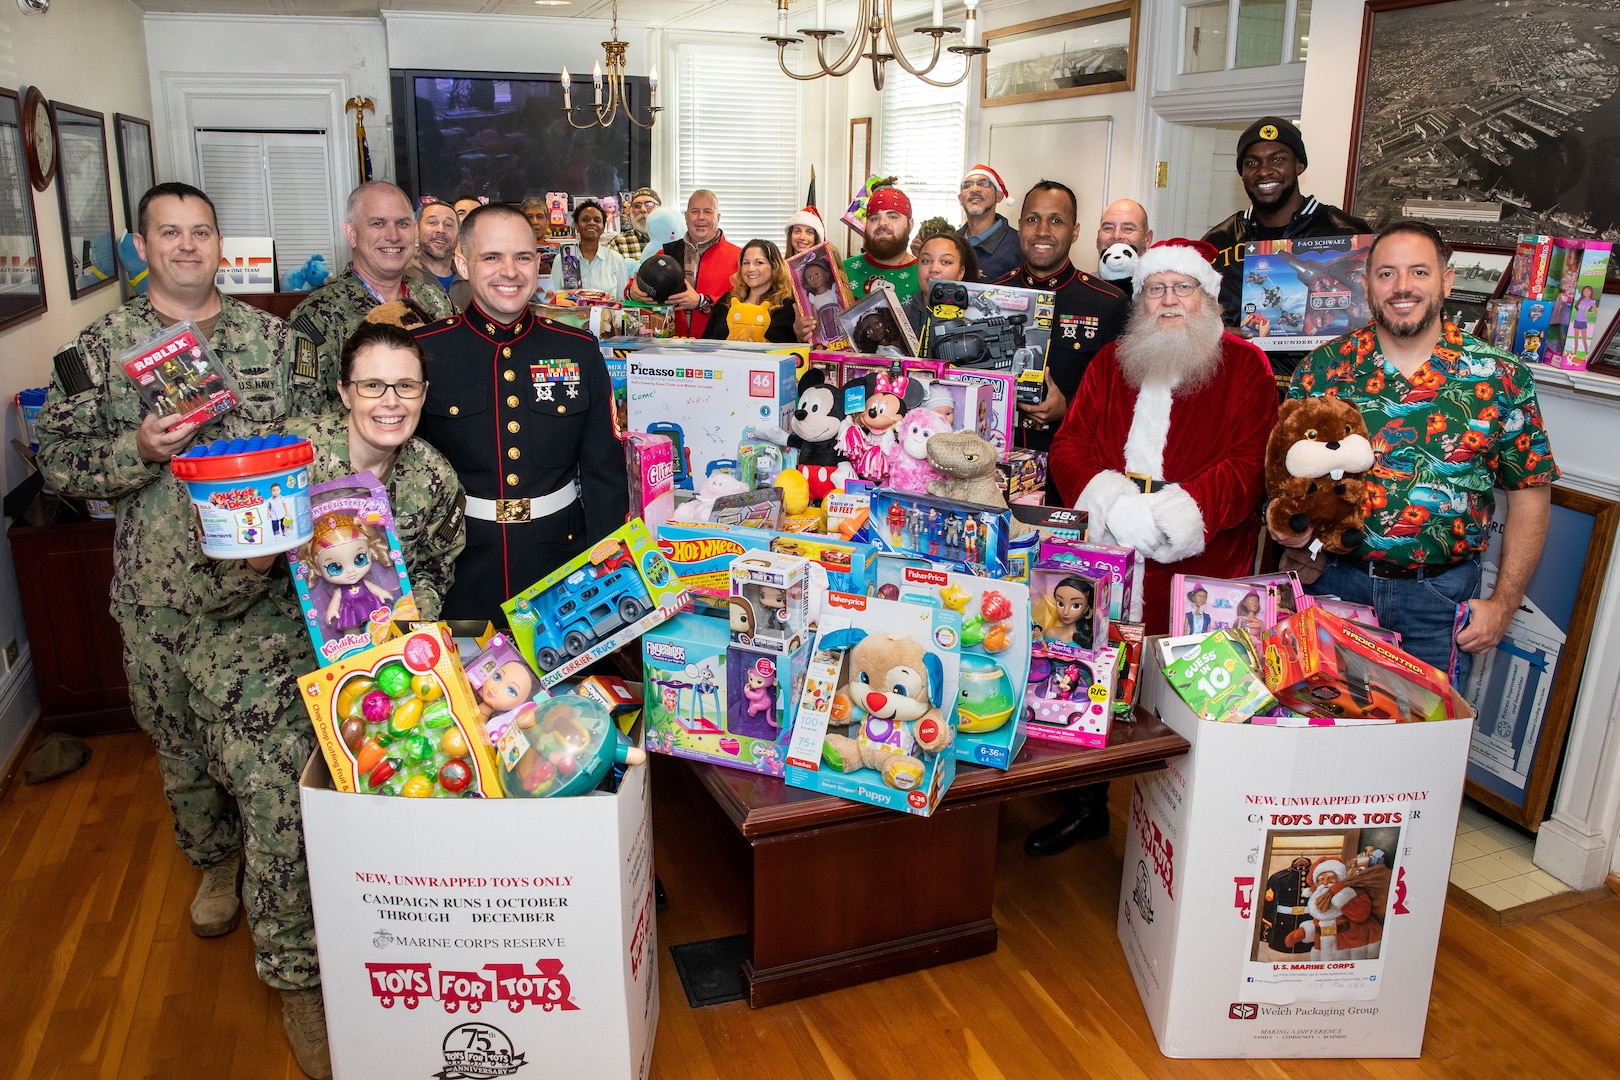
102, 978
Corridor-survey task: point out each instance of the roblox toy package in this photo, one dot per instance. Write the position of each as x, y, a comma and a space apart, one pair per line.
177, 374
1317, 664
399, 719
350, 577
991, 724
877, 717
594, 603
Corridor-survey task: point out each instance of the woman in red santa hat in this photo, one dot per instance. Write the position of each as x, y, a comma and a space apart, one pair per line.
804, 231
1164, 443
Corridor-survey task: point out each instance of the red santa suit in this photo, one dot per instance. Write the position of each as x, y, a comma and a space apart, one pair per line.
1207, 444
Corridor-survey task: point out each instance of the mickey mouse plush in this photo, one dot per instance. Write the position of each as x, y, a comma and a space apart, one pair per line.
814, 433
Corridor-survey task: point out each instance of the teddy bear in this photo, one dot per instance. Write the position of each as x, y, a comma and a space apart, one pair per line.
968, 464
909, 467
1315, 459
896, 688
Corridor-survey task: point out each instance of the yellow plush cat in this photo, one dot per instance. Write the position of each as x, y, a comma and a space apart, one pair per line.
747, 322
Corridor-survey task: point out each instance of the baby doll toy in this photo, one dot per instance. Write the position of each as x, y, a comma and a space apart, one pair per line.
894, 687
342, 553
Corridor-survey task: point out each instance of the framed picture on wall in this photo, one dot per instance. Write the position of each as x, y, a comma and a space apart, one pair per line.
135, 166
1092, 51
83, 189
22, 286
1524, 690
860, 166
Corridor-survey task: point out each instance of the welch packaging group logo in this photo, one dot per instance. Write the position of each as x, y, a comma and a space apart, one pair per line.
1243, 1010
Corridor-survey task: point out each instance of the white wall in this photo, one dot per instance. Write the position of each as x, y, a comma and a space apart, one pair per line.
1330, 89
88, 53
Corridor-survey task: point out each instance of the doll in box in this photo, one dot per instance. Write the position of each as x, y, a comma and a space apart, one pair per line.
343, 553
504, 684
868, 433
1069, 608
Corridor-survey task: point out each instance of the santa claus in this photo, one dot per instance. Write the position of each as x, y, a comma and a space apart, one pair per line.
1164, 443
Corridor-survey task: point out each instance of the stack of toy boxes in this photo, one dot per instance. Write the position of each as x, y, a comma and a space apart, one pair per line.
1320, 665
1559, 284
702, 555
1076, 590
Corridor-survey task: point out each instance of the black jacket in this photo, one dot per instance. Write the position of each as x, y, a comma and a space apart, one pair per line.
780, 329
1229, 237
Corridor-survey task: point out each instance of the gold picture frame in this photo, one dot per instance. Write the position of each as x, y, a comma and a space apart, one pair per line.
1092, 51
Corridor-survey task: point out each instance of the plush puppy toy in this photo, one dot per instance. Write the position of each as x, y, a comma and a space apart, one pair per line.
895, 687
1314, 464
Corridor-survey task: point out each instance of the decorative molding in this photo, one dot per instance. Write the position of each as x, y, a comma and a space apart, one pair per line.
19, 697
1277, 94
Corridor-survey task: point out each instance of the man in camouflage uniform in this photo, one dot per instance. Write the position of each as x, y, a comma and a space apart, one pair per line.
381, 231
98, 441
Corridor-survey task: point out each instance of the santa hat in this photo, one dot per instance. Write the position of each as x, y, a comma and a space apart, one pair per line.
989, 174
810, 218
1330, 864
889, 197
1193, 258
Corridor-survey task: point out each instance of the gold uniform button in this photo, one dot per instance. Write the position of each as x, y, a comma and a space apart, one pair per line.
508, 374
513, 452
489, 328
513, 426
507, 352
517, 328
512, 402
562, 408
455, 410
511, 479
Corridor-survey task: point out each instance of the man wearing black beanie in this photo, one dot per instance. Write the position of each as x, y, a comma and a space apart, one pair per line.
1270, 158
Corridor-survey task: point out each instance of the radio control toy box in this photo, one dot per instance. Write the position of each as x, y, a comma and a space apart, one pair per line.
877, 716
1317, 664
594, 603
1071, 699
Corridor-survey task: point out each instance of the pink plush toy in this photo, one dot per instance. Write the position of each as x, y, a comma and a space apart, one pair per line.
909, 467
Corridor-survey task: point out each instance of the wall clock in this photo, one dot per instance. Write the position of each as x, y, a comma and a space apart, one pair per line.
39, 138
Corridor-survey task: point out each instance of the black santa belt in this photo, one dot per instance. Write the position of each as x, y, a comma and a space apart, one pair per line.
1146, 484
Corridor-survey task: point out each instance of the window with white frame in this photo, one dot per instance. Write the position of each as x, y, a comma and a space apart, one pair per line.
737, 134
272, 183
924, 142
1228, 34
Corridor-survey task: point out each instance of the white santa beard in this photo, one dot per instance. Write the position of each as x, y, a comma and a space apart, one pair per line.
1181, 353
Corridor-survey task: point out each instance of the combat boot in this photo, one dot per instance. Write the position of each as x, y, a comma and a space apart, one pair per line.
216, 909
303, 1014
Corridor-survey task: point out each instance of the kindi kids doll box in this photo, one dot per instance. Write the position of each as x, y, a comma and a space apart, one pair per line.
400, 719
350, 577
990, 727
1317, 664
877, 717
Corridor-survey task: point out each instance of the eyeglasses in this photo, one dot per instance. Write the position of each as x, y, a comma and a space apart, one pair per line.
406, 389
978, 181
643, 204
1180, 288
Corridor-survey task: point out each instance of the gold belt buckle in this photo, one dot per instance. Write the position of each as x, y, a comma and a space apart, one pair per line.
1145, 483
511, 511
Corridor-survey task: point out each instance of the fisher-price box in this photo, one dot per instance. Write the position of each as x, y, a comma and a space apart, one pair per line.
484, 938
594, 603
709, 399
1229, 850
691, 709
877, 715
990, 725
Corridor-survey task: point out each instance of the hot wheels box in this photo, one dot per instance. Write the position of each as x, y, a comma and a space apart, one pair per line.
704, 401
889, 747
990, 726
594, 603
1318, 664
400, 719
702, 556
693, 710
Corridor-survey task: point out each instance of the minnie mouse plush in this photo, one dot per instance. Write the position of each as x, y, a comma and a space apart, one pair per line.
867, 436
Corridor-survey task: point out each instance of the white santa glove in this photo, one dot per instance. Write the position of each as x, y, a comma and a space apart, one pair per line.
1130, 519
1179, 523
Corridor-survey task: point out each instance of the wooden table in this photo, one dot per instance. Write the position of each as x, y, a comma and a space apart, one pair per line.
846, 893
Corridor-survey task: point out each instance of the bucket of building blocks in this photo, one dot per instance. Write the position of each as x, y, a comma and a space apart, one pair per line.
29, 403
251, 496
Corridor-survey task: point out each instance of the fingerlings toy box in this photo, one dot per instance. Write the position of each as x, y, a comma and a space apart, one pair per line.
594, 603
706, 401
877, 716
1317, 664
400, 719
698, 707
990, 724
351, 577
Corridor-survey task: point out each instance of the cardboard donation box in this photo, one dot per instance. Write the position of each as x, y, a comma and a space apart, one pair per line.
467, 937
1283, 886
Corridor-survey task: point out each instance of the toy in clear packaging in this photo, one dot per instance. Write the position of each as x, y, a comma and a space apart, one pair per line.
770, 602
177, 374
505, 685
759, 461
993, 415
1129, 639
1199, 605
959, 535
702, 556
399, 719
877, 324
1116, 564
350, 576
1000, 327
1069, 617
821, 288
559, 225
650, 465
562, 746
1071, 700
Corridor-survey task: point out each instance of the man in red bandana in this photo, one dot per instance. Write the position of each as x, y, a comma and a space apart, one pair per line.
888, 246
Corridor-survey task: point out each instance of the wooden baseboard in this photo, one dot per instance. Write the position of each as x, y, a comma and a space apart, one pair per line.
19, 754
1530, 909
1613, 882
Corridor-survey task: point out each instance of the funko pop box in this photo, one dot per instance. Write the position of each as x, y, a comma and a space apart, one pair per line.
1210, 894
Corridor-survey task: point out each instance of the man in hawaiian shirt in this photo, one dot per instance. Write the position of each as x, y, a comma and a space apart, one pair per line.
1451, 418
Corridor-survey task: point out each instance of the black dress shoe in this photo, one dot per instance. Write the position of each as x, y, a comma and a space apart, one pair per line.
660, 901
1077, 824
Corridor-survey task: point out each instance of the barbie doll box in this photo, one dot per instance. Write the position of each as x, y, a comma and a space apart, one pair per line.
1283, 887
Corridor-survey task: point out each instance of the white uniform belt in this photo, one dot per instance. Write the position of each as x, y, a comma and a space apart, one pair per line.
509, 511
1293, 910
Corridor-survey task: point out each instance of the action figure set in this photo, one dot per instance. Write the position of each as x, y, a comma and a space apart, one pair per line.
957, 535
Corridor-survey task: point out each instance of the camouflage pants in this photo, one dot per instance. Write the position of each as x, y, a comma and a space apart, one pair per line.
206, 824
257, 750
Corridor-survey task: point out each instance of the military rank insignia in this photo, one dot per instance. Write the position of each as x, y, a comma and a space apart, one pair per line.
306, 366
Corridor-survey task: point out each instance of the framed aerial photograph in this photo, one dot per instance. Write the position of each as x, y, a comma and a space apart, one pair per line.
22, 286
1092, 51
1524, 690
1479, 277
135, 166
85, 193
1489, 151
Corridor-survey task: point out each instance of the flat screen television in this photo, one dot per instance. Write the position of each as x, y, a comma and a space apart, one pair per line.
504, 135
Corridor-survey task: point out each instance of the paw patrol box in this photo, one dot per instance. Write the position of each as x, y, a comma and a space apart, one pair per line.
990, 724
706, 401
710, 701
702, 556
877, 716
1317, 664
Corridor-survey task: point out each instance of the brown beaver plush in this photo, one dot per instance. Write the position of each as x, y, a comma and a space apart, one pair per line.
1314, 464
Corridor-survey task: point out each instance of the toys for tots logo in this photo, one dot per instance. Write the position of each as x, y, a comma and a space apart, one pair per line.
477, 1051
407, 983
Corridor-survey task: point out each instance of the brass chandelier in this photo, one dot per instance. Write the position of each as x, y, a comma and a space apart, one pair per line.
617, 96
874, 30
